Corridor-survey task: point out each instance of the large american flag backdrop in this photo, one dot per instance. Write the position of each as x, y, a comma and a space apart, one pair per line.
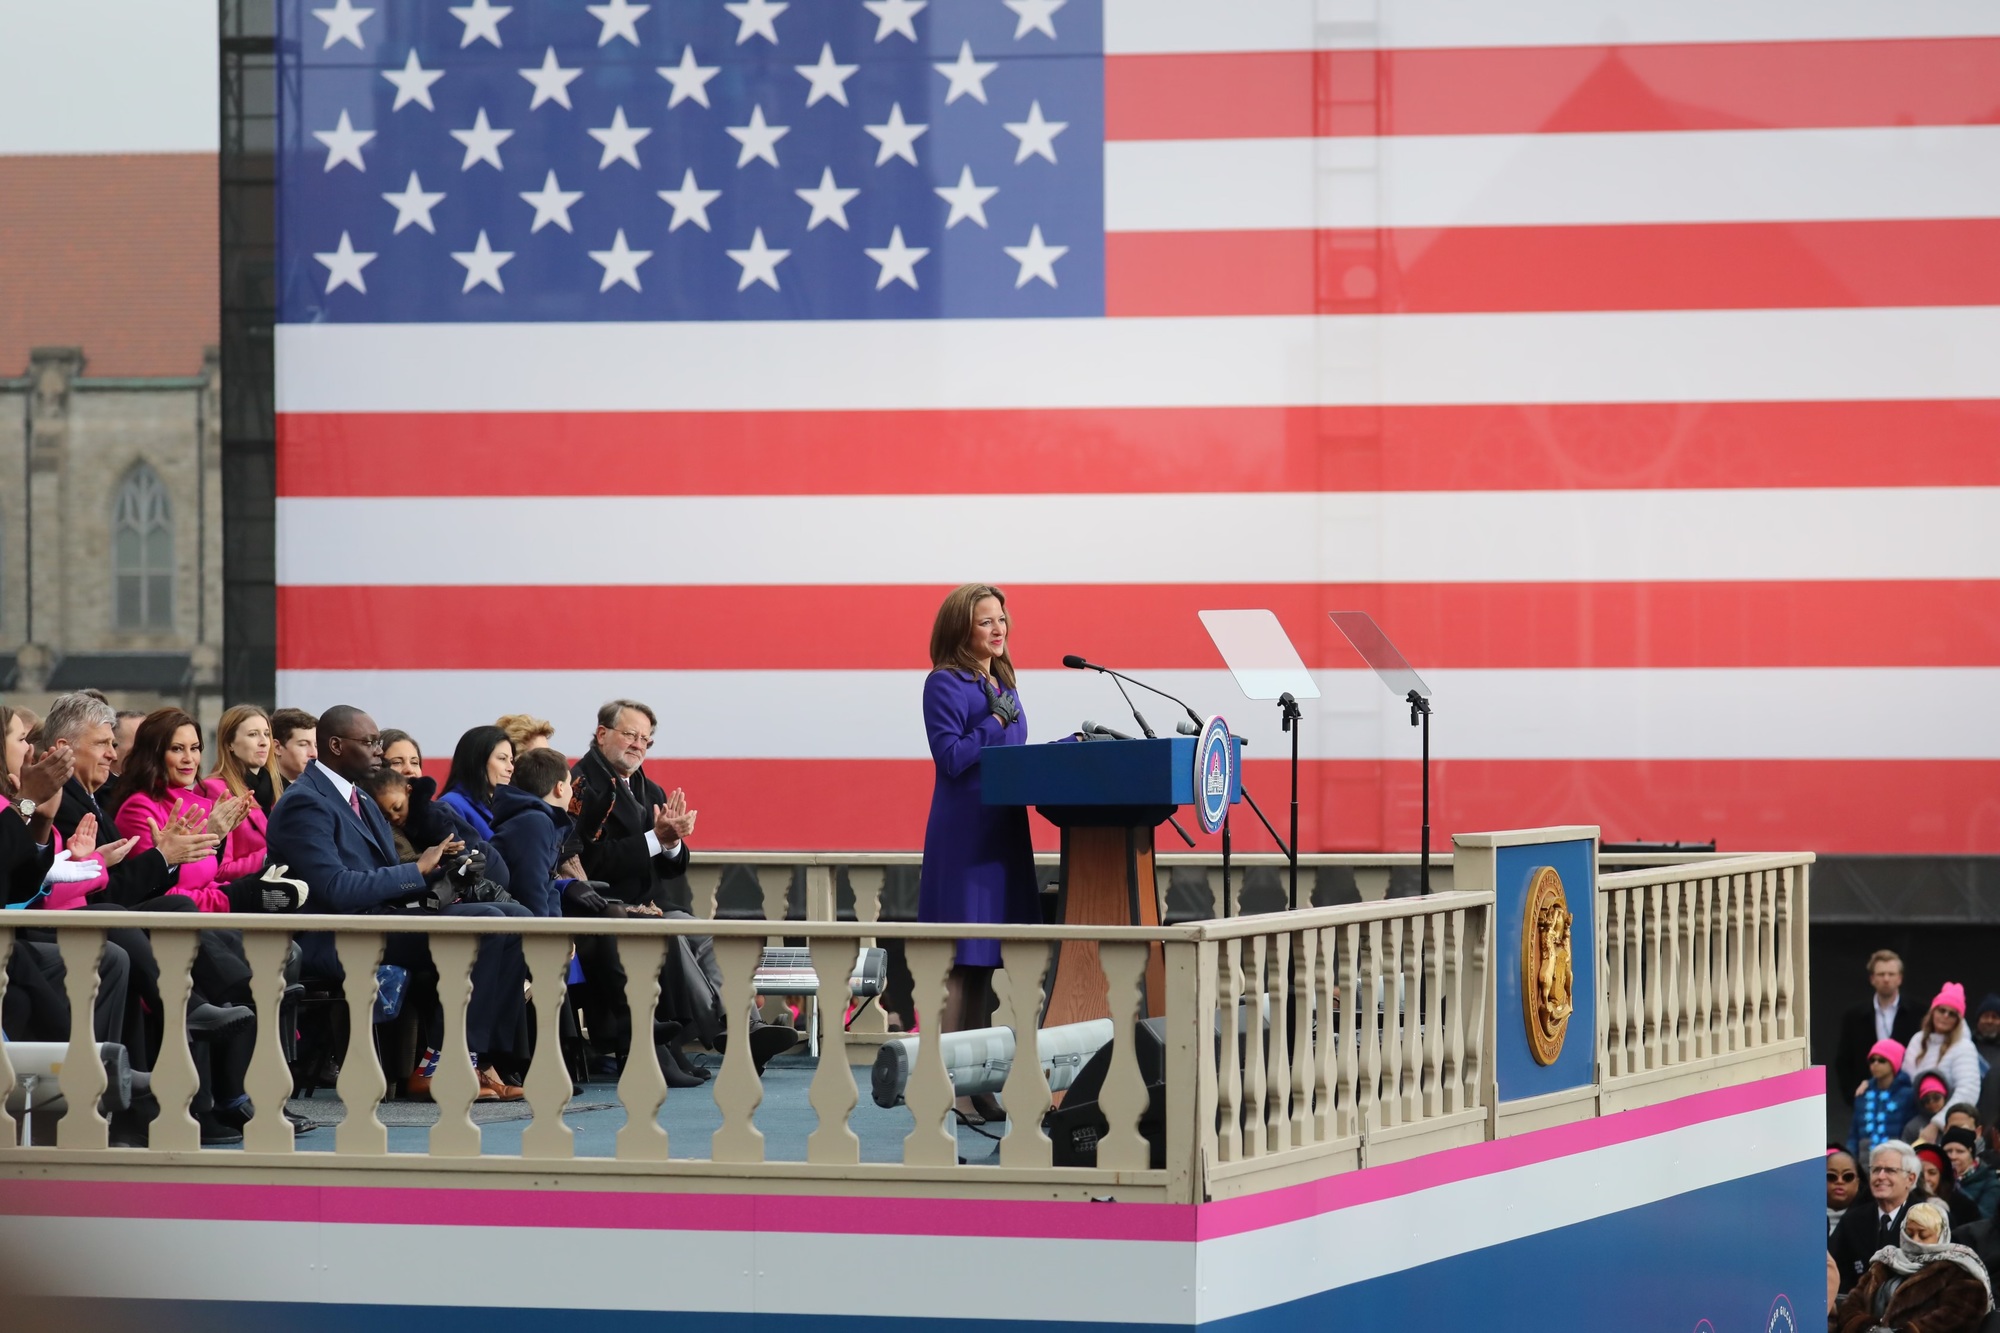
1636, 363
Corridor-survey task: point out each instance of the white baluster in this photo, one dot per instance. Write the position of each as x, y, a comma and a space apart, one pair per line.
1229, 1094
1304, 1120
361, 1084
548, 1085
1123, 1098
928, 1093
642, 1087
174, 1078
455, 1085
1026, 1090
833, 1094
82, 1079
738, 1090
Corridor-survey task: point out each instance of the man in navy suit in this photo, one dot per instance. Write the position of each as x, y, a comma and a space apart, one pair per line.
335, 838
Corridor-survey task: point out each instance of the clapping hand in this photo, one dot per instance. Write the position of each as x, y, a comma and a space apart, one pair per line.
83, 844
228, 813
571, 868
43, 778
185, 837
673, 821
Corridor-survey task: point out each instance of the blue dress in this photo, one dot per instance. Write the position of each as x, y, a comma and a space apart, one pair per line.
978, 862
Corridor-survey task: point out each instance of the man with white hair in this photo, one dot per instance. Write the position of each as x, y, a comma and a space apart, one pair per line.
1893, 1173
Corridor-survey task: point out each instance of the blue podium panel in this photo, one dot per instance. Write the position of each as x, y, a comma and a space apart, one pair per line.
1137, 773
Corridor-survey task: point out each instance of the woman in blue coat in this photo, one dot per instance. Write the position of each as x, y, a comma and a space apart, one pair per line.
979, 865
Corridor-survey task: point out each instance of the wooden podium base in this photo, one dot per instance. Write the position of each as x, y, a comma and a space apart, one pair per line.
1107, 881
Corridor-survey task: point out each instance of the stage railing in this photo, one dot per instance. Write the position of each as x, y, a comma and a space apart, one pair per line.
1705, 971
1297, 1044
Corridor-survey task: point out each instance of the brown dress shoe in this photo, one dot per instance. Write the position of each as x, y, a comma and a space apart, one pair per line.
494, 1088
417, 1087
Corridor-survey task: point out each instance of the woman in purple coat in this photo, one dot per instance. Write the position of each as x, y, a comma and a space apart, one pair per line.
978, 862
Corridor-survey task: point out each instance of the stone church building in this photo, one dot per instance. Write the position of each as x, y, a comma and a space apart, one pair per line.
110, 440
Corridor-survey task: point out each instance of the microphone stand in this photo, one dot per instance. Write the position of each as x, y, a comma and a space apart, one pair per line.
1289, 719
1420, 707
1147, 728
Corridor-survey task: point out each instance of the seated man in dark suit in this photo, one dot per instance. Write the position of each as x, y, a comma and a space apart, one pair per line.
334, 837
631, 835
1895, 1181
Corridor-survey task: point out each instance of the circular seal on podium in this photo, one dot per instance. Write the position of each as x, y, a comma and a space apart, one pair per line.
1214, 775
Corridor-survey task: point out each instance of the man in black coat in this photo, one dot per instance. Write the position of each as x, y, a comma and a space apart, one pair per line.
1893, 1185
632, 837
1887, 1013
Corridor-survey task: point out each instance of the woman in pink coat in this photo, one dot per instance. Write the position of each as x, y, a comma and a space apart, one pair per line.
162, 776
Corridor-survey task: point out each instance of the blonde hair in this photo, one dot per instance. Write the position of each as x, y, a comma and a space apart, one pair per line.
524, 727
227, 766
951, 633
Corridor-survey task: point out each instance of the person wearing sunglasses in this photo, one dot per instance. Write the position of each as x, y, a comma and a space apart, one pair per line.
1843, 1185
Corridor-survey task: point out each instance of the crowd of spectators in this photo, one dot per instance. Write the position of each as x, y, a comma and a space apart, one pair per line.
305, 814
1911, 1196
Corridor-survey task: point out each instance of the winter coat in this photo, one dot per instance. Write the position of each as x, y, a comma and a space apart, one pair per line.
243, 853
200, 880
63, 896
1957, 1064
1879, 1115
1941, 1297
528, 833
1981, 1185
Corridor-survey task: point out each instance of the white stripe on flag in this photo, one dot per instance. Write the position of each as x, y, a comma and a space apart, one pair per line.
1669, 356
1361, 537
1133, 27
1527, 180
1617, 714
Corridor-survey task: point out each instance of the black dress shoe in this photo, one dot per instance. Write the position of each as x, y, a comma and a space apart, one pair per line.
219, 1020
301, 1124
677, 1074
770, 1040
214, 1134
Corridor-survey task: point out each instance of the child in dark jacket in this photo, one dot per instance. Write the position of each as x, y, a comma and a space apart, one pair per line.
1884, 1104
531, 820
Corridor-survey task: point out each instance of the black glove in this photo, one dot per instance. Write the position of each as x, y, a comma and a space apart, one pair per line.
467, 868
999, 704
585, 897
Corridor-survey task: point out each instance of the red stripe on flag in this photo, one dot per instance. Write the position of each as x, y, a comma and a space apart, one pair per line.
1601, 625
1715, 266
1932, 807
1564, 89
1144, 450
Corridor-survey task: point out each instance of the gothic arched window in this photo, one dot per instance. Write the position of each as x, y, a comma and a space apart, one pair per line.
142, 553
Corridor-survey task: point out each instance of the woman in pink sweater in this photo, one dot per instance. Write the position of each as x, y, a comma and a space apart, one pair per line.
242, 768
162, 776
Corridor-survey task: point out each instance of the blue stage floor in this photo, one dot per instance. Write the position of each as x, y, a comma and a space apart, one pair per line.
690, 1116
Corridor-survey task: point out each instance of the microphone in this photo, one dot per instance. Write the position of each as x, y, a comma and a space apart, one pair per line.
1075, 663
1090, 728
1187, 728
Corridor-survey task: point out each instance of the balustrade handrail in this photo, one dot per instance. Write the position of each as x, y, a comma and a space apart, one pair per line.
1316, 918
1740, 864
1297, 1043
1258, 860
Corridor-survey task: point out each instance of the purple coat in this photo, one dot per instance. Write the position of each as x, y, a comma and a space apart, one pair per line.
978, 862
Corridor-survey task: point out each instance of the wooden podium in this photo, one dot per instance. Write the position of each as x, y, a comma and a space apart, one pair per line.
1107, 797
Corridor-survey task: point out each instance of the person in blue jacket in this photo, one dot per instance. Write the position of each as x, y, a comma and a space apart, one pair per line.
483, 760
1884, 1104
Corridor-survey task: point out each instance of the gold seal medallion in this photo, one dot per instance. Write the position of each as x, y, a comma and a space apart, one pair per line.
1548, 975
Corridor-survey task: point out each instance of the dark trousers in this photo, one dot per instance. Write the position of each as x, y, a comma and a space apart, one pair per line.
37, 1005
690, 989
494, 1015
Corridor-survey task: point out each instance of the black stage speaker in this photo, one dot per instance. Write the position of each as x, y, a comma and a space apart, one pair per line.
1075, 1127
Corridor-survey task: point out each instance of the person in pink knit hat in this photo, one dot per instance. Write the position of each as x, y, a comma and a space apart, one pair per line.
1944, 1047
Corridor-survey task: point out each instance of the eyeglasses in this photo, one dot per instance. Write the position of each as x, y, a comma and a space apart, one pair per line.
1886, 1171
1842, 1177
638, 738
